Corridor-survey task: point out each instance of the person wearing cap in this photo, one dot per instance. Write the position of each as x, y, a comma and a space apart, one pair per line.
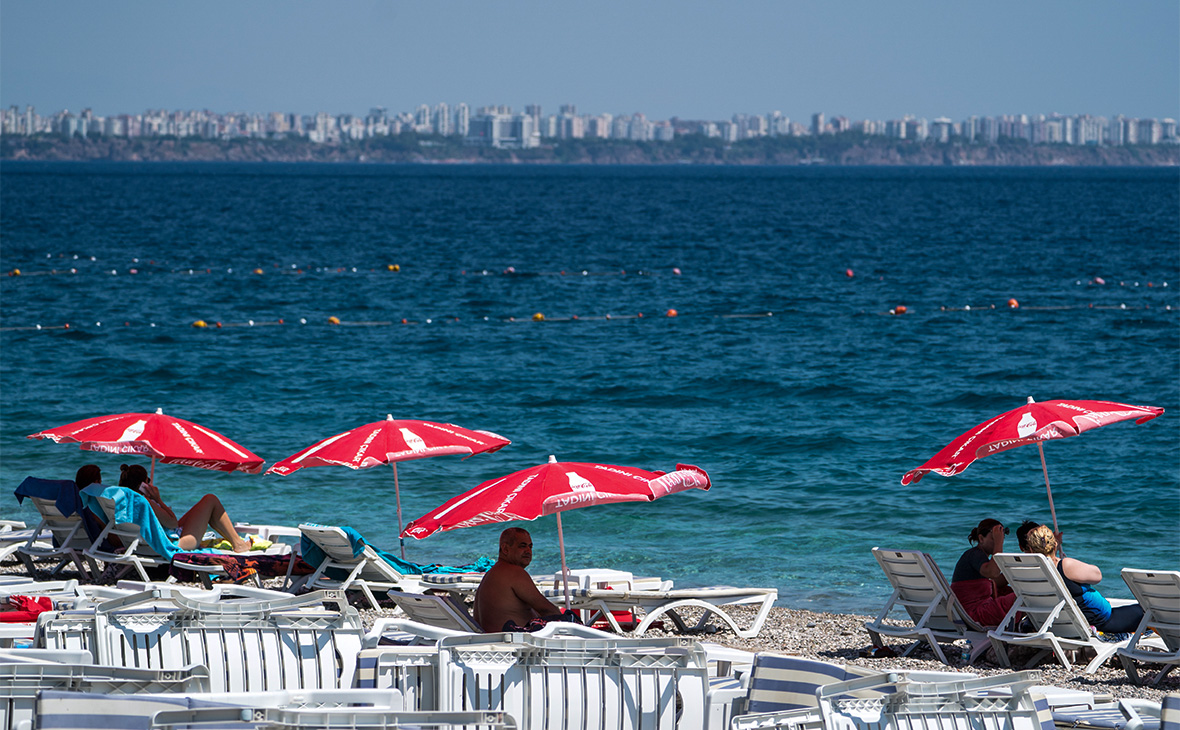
977, 580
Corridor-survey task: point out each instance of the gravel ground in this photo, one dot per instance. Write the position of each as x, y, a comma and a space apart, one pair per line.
841, 638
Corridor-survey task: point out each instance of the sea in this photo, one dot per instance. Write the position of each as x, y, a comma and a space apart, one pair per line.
833, 328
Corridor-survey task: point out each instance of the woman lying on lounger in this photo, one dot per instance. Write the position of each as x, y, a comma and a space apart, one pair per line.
1079, 579
977, 580
205, 514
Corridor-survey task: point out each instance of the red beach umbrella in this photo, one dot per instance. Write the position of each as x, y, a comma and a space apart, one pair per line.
388, 442
164, 438
553, 488
1031, 423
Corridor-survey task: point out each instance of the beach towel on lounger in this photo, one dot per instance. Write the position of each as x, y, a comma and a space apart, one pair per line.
66, 497
314, 556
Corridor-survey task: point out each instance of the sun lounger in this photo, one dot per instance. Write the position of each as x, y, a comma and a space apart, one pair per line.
655, 604
935, 612
1158, 593
441, 611
144, 541
342, 568
1058, 625
576, 682
14, 534
60, 509
899, 701
20, 683
349, 708
298, 642
343, 560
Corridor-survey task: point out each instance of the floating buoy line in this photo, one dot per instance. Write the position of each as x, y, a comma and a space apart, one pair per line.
540, 317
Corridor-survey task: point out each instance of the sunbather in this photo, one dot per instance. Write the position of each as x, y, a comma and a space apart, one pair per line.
1079, 579
507, 598
208, 513
977, 580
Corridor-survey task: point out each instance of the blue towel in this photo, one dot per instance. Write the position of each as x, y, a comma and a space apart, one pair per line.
61, 491
66, 498
313, 556
132, 507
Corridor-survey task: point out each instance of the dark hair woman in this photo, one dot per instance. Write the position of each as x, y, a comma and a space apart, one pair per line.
977, 581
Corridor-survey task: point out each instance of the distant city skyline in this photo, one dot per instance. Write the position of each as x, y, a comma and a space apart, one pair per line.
689, 59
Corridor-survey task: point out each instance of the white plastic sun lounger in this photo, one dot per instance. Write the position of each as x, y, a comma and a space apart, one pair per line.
67, 546
1058, 625
935, 612
573, 683
366, 572
298, 642
1158, 593
20, 682
349, 708
903, 700
138, 553
656, 604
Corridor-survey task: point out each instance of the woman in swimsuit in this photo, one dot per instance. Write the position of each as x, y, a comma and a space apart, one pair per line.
1079, 579
977, 581
208, 513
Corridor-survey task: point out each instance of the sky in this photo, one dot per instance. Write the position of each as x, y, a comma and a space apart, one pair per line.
863, 59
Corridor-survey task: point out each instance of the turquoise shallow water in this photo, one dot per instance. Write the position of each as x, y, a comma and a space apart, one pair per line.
805, 420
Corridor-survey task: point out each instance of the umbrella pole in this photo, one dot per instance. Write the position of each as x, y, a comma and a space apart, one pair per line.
565, 574
1048, 489
152, 476
398, 494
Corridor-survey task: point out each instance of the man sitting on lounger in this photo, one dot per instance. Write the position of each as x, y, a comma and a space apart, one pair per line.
507, 598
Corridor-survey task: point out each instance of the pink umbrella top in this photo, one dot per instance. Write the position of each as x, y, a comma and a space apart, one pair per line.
551, 488
389, 441
165, 438
1031, 423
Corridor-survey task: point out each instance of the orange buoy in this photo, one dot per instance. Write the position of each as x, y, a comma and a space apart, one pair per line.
673, 313
257, 271
200, 324
403, 320
900, 309
538, 317
14, 272
1012, 303
848, 273
333, 320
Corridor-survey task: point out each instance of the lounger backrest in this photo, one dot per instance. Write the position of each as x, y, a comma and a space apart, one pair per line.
989, 702
21, 683
919, 587
1042, 595
337, 549
779, 682
1158, 592
288, 644
439, 611
68, 532
568, 684
127, 532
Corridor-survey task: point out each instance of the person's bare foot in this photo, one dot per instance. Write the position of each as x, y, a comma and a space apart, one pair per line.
241, 546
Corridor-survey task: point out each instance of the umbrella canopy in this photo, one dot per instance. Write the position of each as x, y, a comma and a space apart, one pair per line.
1031, 423
388, 442
164, 438
551, 489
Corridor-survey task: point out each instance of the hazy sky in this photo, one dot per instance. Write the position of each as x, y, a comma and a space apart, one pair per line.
687, 58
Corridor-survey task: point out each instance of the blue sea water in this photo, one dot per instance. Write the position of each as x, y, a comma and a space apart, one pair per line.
783, 377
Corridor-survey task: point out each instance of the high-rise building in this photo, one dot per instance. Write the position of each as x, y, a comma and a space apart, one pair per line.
441, 119
462, 119
817, 123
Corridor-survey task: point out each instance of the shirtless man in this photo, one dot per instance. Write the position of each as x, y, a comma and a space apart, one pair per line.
507, 593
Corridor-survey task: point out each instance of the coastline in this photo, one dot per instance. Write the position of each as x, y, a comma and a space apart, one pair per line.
833, 151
